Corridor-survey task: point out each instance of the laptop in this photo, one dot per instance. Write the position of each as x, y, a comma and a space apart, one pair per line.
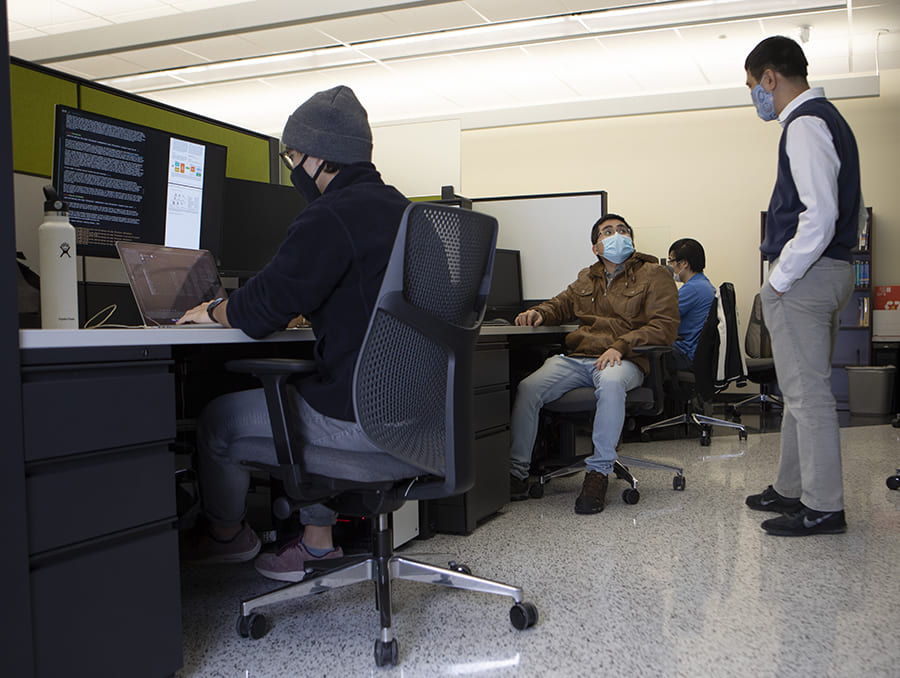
167, 281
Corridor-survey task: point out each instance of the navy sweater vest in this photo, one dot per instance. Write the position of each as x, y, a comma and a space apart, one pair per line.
785, 206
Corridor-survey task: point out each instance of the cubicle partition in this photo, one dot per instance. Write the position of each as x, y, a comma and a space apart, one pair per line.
546, 228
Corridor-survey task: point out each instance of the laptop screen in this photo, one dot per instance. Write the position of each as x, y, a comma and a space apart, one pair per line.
167, 281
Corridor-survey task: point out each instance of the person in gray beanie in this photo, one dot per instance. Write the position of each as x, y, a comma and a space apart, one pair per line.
328, 269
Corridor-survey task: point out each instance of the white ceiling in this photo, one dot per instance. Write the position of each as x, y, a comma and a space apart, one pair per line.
463, 59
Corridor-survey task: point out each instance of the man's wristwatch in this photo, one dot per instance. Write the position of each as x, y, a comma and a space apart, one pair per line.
212, 307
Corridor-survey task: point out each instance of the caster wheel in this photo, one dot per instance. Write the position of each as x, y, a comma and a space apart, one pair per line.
645, 437
705, 440
631, 496
523, 615
536, 491
459, 567
893, 482
742, 435
386, 653
678, 483
252, 626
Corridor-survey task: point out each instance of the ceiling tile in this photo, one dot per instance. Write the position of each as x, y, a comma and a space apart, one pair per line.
109, 8
591, 5
99, 67
467, 87
358, 28
657, 60
432, 18
587, 67
220, 49
508, 10
287, 38
157, 58
44, 13
518, 73
74, 26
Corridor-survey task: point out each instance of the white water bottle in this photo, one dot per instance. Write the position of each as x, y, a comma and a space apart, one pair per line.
59, 282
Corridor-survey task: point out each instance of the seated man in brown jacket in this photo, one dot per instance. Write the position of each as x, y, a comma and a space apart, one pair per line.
624, 300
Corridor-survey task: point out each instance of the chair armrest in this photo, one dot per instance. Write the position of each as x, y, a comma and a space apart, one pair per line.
275, 375
289, 366
652, 349
659, 373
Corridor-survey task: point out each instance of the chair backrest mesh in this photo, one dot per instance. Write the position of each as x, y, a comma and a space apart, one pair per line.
401, 393
415, 363
444, 262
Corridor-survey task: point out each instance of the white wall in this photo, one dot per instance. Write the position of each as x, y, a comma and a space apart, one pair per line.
418, 158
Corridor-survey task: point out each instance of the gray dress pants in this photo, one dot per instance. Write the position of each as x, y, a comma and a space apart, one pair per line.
803, 324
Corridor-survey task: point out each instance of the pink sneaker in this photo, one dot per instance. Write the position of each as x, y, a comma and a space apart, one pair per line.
289, 562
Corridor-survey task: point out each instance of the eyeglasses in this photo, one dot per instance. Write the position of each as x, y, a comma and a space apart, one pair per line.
287, 160
610, 230
671, 261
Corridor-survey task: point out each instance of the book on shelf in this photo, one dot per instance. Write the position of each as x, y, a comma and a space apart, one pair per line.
863, 241
864, 315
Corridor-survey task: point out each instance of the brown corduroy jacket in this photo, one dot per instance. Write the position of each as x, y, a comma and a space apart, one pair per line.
640, 308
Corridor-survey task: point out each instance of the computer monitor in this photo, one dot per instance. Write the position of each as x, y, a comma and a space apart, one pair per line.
505, 298
254, 224
133, 183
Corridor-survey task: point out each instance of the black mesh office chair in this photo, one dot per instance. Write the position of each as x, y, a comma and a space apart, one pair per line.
576, 409
718, 362
760, 366
413, 399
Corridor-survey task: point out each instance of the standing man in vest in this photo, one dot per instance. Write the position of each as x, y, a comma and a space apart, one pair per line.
811, 226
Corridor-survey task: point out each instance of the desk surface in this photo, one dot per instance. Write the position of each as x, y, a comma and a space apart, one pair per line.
172, 336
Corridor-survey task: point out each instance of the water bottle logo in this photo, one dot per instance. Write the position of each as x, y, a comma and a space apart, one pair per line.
64, 250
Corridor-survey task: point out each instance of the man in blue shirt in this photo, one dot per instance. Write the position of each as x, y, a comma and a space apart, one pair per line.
811, 226
687, 260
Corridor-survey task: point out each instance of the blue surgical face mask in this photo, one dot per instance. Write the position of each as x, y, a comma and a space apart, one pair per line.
764, 102
617, 248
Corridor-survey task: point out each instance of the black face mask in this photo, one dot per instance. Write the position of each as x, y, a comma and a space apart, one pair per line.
304, 183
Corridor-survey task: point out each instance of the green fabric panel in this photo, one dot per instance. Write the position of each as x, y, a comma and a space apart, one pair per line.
34, 96
248, 156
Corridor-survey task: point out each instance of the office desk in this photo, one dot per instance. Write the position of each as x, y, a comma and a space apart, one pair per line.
99, 411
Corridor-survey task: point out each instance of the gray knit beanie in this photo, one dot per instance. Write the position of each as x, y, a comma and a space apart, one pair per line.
331, 125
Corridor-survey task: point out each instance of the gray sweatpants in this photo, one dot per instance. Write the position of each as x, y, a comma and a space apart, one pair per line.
234, 428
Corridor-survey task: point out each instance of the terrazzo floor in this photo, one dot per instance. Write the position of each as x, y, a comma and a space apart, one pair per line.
680, 584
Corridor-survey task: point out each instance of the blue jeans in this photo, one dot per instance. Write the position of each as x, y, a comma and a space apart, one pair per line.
235, 428
803, 324
555, 377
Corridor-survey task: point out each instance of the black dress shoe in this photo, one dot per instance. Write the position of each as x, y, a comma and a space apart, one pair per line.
518, 488
770, 500
806, 521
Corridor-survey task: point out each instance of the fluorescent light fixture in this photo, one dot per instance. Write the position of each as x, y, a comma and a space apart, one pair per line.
599, 23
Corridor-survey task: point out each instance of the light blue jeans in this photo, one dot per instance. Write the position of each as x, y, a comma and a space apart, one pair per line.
555, 377
234, 428
803, 324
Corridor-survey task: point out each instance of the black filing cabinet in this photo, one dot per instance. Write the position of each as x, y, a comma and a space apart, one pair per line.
462, 513
103, 549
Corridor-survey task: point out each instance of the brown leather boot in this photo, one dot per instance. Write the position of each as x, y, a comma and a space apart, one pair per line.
593, 493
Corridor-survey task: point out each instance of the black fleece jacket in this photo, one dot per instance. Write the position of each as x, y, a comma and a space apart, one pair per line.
329, 269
